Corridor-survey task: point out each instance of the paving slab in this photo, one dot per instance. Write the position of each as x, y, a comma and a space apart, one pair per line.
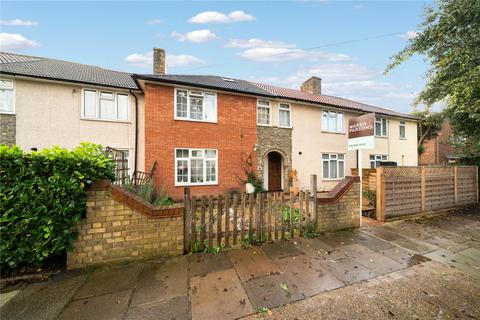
341, 238
281, 249
7, 296
348, 270
375, 262
43, 300
373, 243
314, 247
456, 260
202, 263
110, 279
400, 255
447, 244
417, 246
161, 281
272, 291
308, 275
471, 253
382, 233
110, 306
176, 308
252, 263
219, 295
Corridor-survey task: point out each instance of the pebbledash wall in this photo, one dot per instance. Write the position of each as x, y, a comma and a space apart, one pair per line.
119, 226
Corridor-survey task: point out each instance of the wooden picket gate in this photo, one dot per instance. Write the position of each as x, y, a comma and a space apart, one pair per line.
231, 220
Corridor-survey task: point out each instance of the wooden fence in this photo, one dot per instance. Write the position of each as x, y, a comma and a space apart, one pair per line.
368, 183
409, 190
232, 220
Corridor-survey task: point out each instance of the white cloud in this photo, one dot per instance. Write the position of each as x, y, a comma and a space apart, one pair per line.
18, 23
15, 42
218, 17
409, 35
146, 60
196, 36
257, 43
153, 21
269, 54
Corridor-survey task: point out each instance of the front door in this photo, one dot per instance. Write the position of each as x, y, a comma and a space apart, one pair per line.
274, 171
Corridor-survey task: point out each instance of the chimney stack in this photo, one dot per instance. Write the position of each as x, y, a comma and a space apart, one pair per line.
312, 85
159, 61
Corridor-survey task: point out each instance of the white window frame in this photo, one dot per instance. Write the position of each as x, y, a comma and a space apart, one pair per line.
13, 89
285, 107
204, 183
401, 125
383, 124
97, 105
334, 157
269, 107
192, 92
376, 158
327, 129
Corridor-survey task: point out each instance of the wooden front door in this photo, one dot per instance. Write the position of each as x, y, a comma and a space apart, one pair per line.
274, 171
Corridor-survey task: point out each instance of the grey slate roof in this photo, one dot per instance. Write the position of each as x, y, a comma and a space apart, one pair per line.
52, 69
208, 82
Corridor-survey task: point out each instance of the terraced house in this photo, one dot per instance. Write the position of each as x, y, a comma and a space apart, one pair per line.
200, 129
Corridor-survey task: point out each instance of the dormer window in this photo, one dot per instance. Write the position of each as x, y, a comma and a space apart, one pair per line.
195, 105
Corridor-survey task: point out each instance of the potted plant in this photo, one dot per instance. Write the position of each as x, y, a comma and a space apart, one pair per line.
253, 183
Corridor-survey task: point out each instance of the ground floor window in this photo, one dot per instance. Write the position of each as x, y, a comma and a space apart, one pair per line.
375, 160
196, 166
333, 165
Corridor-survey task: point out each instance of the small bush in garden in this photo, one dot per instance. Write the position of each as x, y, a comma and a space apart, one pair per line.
150, 193
42, 198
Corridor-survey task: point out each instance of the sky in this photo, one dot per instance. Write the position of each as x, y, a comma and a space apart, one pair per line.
346, 43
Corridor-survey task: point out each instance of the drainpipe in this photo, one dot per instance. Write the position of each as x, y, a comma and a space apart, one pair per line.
136, 130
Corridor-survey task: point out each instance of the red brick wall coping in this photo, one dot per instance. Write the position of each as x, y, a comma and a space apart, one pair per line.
134, 202
337, 192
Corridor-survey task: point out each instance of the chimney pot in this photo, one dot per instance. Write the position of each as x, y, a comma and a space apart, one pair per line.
313, 85
159, 61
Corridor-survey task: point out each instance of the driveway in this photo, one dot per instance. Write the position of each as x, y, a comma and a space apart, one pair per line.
399, 270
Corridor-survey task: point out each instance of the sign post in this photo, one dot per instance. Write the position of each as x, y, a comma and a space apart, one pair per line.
361, 135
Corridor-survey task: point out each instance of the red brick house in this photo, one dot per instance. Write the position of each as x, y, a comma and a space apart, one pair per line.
438, 150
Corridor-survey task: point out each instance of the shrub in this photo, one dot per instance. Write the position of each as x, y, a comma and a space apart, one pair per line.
149, 193
42, 198
371, 196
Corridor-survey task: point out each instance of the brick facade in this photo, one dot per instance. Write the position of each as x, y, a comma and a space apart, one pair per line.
437, 149
234, 136
8, 131
113, 231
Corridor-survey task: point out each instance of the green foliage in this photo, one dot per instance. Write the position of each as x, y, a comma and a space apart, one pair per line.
371, 196
150, 193
251, 175
429, 124
296, 215
42, 199
420, 149
449, 39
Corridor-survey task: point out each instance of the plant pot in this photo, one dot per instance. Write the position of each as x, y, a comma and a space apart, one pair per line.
249, 188
295, 190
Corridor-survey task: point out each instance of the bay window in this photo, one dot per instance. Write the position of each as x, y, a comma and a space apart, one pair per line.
284, 116
196, 166
375, 160
7, 96
264, 113
333, 166
381, 127
104, 105
333, 121
195, 105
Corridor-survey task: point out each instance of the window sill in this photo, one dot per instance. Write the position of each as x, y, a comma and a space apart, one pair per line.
264, 125
106, 120
333, 132
382, 137
291, 127
193, 120
196, 184
402, 138
332, 180
6, 112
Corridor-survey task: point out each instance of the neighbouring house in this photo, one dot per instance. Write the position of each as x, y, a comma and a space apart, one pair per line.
438, 150
46, 102
200, 130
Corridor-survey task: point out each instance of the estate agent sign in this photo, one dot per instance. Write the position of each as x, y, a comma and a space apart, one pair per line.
361, 132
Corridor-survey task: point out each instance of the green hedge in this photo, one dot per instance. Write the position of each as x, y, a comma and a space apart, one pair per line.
42, 198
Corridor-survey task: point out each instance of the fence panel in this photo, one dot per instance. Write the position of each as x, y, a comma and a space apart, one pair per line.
409, 190
232, 220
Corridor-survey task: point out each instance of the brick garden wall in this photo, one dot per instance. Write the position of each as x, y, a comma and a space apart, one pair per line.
7, 134
342, 211
116, 229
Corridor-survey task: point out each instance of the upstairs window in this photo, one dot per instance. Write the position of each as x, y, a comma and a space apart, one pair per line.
7, 96
264, 113
333, 121
284, 116
402, 130
104, 105
195, 105
333, 166
375, 160
381, 129
196, 166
